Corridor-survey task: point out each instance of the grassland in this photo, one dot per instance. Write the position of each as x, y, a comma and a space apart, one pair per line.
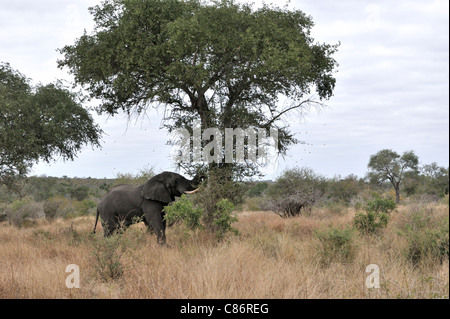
271, 258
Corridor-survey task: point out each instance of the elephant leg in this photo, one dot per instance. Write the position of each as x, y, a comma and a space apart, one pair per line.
164, 221
108, 227
153, 216
150, 229
115, 224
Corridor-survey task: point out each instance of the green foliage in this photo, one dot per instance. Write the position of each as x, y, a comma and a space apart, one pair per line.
221, 62
223, 218
80, 192
335, 245
58, 206
381, 205
257, 189
85, 207
434, 180
125, 178
22, 212
387, 165
428, 239
343, 190
134, 179
42, 187
218, 186
376, 216
193, 216
184, 210
370, 222
38, 123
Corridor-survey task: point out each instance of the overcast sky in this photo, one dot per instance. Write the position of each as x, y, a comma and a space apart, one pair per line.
392, 87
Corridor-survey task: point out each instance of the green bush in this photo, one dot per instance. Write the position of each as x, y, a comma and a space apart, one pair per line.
80, 192
370, 222
335, 245
184, 210
85, 207
107, 253
376, 216
193, 216
381, 205
257, 189
23, 212
223, 218
134, 179
58, 206
343, 190
428, 239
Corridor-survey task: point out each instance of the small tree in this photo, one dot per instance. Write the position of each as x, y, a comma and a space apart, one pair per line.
435, 179
387, 165
295, 191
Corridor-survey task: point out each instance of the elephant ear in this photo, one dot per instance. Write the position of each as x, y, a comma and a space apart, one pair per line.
155, 190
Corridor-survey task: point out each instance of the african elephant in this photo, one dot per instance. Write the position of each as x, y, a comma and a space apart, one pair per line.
125, 203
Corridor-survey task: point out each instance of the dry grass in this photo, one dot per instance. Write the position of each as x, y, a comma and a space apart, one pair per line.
272, 258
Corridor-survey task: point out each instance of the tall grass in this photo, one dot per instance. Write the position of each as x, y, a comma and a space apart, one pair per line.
271, 258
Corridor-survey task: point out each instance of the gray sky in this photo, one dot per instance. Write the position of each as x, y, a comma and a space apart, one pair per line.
392, 86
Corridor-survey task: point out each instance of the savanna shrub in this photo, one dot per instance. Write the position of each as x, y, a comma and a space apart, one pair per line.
223, 218
294, 192
370, 222
85, 207
376, 216
428, 239
58, 206
257, 189
381, 205
335, 245
22, 212
107, 253
80, 192
184, 210
193, 216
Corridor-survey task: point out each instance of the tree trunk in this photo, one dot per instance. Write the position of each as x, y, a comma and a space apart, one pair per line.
397, 195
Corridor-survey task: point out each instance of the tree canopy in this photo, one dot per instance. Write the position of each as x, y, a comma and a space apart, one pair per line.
220, 63
39, 123
387, 165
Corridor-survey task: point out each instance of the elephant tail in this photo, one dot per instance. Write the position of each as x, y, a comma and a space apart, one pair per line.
96, 220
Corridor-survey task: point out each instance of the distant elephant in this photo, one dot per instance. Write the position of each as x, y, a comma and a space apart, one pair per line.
127, 203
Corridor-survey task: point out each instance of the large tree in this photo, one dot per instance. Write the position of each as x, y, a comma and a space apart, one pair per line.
39, 123
221, 63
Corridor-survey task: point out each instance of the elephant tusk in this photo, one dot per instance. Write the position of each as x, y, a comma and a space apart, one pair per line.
192, 192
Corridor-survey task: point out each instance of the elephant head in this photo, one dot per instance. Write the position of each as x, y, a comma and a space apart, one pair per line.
166, 186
